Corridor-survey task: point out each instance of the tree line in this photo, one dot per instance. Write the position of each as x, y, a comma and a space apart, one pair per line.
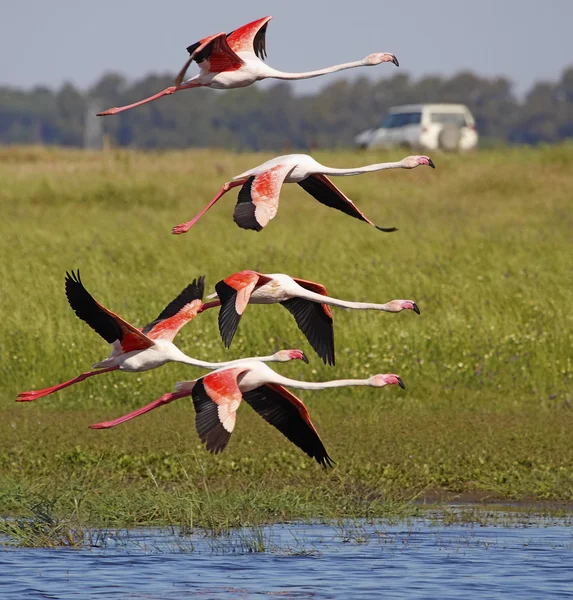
273, 117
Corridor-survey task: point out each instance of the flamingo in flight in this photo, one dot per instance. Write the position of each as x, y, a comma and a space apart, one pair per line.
217, 397
258, 199
235, 60
136, 350
307, 301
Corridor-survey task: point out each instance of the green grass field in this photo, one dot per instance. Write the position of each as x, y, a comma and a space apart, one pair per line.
485, 247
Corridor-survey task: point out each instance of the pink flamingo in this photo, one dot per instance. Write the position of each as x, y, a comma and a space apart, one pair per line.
217, 397
307, 301
258, 200
235, 60
136, 350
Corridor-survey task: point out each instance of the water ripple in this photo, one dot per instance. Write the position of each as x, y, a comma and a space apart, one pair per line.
351, 560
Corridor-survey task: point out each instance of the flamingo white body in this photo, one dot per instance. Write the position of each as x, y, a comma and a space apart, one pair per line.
258, 199
235, 60
218, 395
157, 355
137, 350
307, 301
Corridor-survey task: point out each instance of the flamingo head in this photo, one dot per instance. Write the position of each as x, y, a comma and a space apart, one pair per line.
381, 380
286, 355
400, 305
380, 57
411, 162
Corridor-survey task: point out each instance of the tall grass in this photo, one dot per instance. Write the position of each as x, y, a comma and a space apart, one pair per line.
484, 246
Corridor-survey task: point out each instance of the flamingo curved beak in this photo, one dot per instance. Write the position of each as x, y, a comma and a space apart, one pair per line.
401, 383
431, 163
395, 61
415, 308
304, 357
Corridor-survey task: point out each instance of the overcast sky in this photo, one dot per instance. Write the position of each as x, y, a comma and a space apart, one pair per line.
49, 42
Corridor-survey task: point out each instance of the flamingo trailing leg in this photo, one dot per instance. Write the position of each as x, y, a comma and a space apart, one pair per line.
137, 350
258, 199
217, 397
235, 60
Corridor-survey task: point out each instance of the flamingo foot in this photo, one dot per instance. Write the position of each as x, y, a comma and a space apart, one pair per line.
182, 228
103, 425
35, 394
109, 111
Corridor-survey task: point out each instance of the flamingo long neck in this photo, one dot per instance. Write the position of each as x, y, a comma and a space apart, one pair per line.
229, 363
318, 385
365, 169
344, 303
203, 364
310, 74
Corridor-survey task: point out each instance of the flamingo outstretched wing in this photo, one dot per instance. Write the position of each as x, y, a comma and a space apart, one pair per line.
314, 320
317, 288
258, 200
316, 324
234, 293
213, 55
216, 398
323, 190
289, 415
111, 327
250, 38
178, 312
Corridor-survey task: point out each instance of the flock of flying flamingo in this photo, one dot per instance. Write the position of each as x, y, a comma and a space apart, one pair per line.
228, 61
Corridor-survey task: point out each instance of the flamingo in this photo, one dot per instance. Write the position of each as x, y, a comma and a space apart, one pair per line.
307, 301
258, 199
136, 350
217, 397
235, 60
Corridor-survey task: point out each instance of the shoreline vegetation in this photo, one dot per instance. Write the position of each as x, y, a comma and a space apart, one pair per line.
484, 246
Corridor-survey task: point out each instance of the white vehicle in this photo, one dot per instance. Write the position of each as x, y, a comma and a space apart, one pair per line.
423, 126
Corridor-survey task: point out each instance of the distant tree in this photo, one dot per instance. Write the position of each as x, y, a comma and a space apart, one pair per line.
70, 107
537, 119
272, 117
564, 100
110, 87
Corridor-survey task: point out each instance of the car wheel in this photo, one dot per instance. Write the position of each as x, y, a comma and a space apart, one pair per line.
449, 138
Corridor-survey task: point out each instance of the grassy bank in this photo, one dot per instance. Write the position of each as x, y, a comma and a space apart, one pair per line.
484, 246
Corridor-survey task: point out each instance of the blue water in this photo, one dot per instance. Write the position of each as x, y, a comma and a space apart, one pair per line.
414, 559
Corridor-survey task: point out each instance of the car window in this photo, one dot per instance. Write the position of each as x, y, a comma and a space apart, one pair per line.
401, 119
457, 119
414, 118
388, 121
